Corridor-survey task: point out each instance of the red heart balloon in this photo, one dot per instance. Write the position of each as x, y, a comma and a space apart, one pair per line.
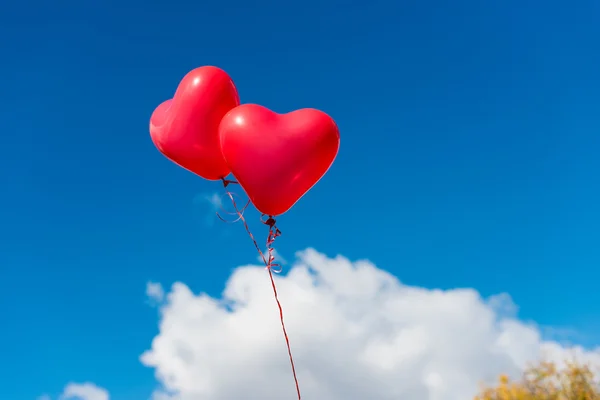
186, 128
277, 158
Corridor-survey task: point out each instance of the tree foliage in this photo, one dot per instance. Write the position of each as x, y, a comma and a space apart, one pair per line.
546, 381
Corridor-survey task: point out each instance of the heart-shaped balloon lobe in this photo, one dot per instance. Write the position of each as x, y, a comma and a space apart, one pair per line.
186, 128
277, 158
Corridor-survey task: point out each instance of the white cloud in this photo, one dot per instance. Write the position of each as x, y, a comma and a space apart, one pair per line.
215, 200
211, 202
356, 333
155, 292
219, 204
84, 391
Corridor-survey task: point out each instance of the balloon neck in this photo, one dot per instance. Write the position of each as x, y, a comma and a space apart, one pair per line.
270, 222
227, 182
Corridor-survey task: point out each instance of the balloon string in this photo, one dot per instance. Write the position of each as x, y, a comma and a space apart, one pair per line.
274, 232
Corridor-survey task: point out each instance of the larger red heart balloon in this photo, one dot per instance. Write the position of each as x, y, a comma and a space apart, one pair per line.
186, 128
277, 158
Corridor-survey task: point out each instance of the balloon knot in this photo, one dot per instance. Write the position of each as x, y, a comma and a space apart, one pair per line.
227, 182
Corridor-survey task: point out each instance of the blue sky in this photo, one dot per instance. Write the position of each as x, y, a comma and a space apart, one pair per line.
469, 158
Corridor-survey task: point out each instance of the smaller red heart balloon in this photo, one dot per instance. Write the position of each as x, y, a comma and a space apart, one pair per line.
277, 158
186, 128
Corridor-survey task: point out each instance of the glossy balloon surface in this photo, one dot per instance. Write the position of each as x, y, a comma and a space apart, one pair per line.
186, 128
277, 158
